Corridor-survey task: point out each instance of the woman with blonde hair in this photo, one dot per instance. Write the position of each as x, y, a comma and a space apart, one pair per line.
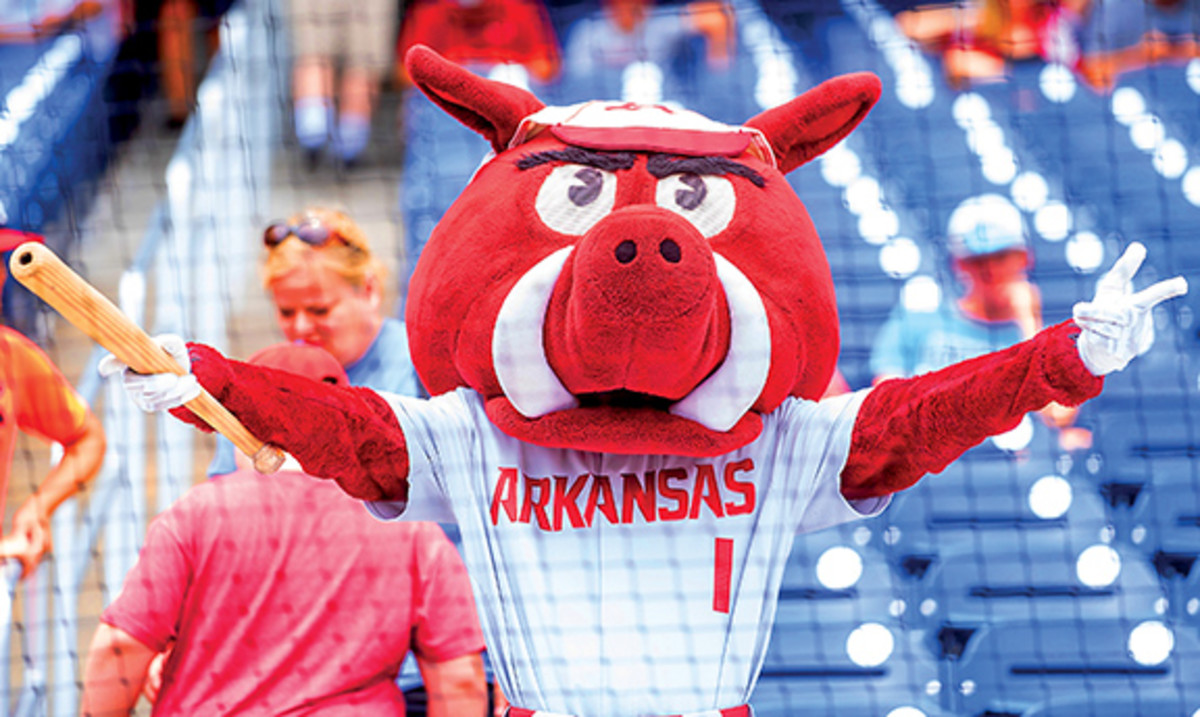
327, 288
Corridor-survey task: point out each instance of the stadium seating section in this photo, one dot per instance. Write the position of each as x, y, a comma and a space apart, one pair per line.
1020, 581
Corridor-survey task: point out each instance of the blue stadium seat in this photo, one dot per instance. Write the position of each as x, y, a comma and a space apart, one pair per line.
1038, 579
1156, 383
858, 584
822, 660
1010, 668
1168, 506
983, 494
972, 549
1110, 704
809, 670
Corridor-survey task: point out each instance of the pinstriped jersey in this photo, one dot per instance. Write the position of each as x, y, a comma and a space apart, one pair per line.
626, 585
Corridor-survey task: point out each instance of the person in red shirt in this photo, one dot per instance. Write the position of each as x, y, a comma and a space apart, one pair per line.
282, 595
35, 398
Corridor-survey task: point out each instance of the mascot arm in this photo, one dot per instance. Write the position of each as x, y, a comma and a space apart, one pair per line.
347, 434
909, 427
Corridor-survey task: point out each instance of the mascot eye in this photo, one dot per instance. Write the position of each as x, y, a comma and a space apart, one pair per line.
575, 197
707, 202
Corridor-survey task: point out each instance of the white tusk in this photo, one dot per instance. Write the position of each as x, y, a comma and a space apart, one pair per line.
724, 397
518, 349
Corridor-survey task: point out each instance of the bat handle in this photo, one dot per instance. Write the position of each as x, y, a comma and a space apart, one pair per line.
267, 458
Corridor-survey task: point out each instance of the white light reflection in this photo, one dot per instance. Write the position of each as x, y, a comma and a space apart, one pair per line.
839, 568
1085, 252
900, 257
1151, 643
1098, 566
1050, 497
870, 644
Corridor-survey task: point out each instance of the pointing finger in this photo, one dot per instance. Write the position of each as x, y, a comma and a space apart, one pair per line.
1125, 267
1167, 289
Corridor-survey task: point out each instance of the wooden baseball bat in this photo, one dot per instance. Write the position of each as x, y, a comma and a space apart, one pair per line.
37, 267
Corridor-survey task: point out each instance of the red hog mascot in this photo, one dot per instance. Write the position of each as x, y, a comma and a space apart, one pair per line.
625, 321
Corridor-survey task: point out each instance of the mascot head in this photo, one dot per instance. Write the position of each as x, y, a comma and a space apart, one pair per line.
629, 278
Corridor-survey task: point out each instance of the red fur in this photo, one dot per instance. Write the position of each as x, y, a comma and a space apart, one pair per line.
493, 109
809, 125
655, 330
909, 427
347, 434
624, 431
680, 322
492, 235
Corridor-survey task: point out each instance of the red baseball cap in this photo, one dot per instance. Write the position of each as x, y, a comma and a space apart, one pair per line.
12, 238
304, 360
643, 128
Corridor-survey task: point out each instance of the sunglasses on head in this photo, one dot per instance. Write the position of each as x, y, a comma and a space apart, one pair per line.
311, 231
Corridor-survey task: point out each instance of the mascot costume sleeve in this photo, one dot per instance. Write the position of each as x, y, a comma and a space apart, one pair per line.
625, 320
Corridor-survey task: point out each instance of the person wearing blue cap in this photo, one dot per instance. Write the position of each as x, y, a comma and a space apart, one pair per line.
1000, 306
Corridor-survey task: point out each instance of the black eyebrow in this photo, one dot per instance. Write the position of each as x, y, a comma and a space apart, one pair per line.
664, 165
609, 161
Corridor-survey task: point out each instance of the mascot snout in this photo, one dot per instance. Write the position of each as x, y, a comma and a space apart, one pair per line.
638, 308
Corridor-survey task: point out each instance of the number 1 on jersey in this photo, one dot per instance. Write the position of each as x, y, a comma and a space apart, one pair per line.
722, 574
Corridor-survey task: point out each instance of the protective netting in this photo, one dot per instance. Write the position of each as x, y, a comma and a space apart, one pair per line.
1049, 571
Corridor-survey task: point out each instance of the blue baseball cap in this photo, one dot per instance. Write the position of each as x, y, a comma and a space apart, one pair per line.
984, 225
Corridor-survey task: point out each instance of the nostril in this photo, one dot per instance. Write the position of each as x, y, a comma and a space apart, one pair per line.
670, 251
626, 251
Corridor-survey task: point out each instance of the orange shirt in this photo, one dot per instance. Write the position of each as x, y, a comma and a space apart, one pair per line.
35, 398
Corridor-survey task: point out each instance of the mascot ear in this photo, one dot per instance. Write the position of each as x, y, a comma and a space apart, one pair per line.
818, 119
493, 109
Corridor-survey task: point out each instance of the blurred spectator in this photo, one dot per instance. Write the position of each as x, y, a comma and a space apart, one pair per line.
159, 52
629, 31
1099, 39
978, 39
178, 64
341, 48
1000, 307
1120, 37
282, 595
484, 32
328, 291
35, 398
32, 21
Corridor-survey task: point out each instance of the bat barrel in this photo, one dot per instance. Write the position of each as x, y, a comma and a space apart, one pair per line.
40, 269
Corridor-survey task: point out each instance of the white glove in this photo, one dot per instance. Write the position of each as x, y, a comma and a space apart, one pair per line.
156, 391
1118, 325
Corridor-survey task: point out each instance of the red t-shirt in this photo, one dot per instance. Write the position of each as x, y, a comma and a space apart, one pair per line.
35, 398
284, 596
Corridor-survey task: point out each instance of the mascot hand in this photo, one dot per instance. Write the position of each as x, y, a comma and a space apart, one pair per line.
1118, 324
157, 391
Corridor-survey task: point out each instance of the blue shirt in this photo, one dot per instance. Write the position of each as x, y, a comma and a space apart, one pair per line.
386, 366
916, 342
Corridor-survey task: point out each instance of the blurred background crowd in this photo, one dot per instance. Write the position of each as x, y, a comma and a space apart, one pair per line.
247, 172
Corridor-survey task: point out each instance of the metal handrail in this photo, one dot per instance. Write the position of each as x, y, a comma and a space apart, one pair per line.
174, 244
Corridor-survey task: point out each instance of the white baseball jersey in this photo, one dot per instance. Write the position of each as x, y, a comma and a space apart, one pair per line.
626, 585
